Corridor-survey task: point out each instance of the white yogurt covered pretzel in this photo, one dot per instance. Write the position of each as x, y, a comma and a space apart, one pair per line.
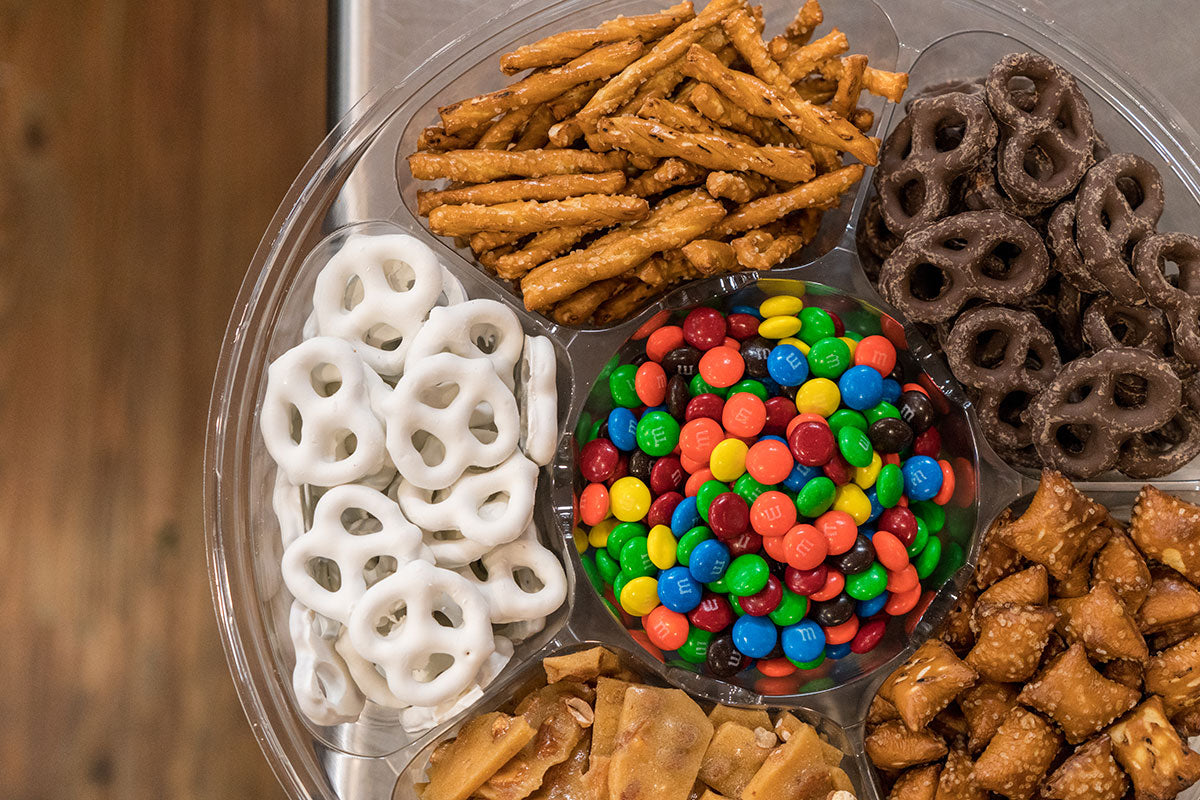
421, 718
367, 675
524, 581
375, 292
325, 690
316, 418
537, 398
287, 500
475, 329
488, 506
427, 659
354, 528
432, 441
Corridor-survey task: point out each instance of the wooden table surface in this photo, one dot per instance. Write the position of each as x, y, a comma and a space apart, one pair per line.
144, 145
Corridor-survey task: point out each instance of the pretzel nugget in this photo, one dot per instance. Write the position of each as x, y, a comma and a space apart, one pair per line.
1167, 530
926, 683
1010, 640
1169, 601
1072, 693
481, 166
956, 630
996, 559
530, 216
985, 705
560, 48
1018, 755
1120, 564
955, 781
1029, 586
552, 187
1126, 673
1158, 762
668, 49
894, 747
1174, 675
1101, 623
821, 192
1054, 529
1090, 773
918, 783
541, 86
651, 138
812, 123
673, 223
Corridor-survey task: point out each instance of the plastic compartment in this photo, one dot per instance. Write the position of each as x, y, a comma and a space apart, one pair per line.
932, 40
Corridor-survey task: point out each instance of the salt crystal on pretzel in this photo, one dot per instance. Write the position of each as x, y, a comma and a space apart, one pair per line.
537, 400
1100, 621
374, 292
1167, 530
307, 422
1009, 640
324, 688
425, 661
1018, 755
352, 526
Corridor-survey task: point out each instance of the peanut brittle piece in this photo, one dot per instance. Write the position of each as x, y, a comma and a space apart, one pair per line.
1170, 600
985, 705
565, 781
1010, 640
1054, 529
1174, 675
918, 783
1167, 530
1028, 587
1101, 623
788, 725
996, 559
881, 711
709, 794
661, 739
1072, 693
1090, 773
561, 716
749, 717
926, 683
1120, 564
893, 747
796, 770
610, 697
956, 782
482, 747
582, 665
1158, 762
540, 703
1018, 755
734, 755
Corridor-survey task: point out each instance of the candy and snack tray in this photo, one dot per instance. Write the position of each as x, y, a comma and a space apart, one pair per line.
932, 41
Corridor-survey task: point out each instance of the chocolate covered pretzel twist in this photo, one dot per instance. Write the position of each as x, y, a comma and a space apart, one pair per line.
943, 137
1118, 205
1162, 451
1054, 134
1110, 323
1179, 301
1080, 423
1060, 235
975, 255
1007, 356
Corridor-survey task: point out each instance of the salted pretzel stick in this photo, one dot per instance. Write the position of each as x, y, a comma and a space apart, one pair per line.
624, 302
652, 138
740, 187
537, 130
817, 90
799, 30
862, 118
434, 139
710, 257
552, 187
758, 249
664, 269
530, 216
665, 81
484, 241
579, 306
879, 82
573, 99
676, 221
709, 102
739, 27
666, 51
481, 166
670, 172
813, 123
560, 48
850, 85
824, 190
541, 86
687, 119
540, 249
802, 60
489, 257
500, 133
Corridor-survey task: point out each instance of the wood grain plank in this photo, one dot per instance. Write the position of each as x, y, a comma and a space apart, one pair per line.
143, 149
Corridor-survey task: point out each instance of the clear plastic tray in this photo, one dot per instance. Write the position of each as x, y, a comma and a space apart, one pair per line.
933, 41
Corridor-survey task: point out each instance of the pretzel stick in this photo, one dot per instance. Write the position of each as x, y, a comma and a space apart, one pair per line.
673, 223
573, 99
623, 303
740, 187
758, 249
817, 90
562, 47
862, 118
812, 123
541, 86
803, 60
491, 240
579, 306
481, 166
850, 85
667, 50
552, 187
879, 82
530, 216
540, 249
489, 257
799, 30
669, 172
686, 119
821, 191
652, 138
537, 130
664, 269
665, 81
709, 102
434, 139
499, 134
711, 257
